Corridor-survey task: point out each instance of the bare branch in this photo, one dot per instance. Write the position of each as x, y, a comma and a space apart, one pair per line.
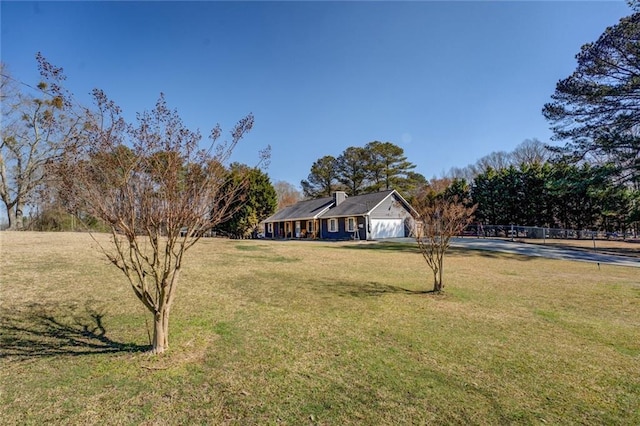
156, 190
438, 218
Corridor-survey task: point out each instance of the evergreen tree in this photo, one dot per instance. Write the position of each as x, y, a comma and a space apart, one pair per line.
387, 167
259, 202
410, 186
535, 205
376, 167
486, 193
322, 179
596, 108
351, 168
574, 191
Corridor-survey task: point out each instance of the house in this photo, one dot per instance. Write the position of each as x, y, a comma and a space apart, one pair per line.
297, 221
371, 216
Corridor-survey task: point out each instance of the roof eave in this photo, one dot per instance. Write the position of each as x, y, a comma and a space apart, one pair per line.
345, 215
293, 218
405, 202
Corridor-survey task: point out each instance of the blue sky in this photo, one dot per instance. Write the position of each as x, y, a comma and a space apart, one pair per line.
448, 81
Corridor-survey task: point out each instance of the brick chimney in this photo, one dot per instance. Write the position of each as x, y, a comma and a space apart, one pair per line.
339, 197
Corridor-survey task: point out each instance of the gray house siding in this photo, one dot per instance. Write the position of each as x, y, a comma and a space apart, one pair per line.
391, 209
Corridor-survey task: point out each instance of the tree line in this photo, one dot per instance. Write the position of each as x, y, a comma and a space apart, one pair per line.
44, 128
535, 185
553, 194
261, 199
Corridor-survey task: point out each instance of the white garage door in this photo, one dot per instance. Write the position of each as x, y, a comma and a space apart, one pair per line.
387, 228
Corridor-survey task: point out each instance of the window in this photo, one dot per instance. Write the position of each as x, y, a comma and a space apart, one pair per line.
350, 224
333, 225
270, 228
309, 226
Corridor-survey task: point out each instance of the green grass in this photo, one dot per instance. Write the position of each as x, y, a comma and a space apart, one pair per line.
317, 333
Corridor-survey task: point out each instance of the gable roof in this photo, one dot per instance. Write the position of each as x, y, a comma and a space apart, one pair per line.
358, 205
402, 201
308, 209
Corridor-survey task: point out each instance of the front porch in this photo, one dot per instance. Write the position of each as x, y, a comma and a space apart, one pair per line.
293, 229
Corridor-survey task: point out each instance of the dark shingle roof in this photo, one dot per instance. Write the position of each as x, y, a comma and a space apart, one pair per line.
358, 204
302, 210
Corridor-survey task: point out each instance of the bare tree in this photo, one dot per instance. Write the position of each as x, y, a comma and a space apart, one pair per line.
157, 192
438, 217
530, 151
497, 160
287, 194
36, 129
467, 173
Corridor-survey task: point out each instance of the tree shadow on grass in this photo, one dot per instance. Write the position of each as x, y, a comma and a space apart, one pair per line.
384, 246
38, 333
451, 251
365, 289
489, 254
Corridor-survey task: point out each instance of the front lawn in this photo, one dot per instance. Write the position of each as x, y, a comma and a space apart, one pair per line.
317, 333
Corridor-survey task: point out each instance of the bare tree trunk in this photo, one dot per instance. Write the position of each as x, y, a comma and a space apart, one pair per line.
10, 220
437, 282
440, 269
18, 217
148, 191
437, 276
160, 341
11, 216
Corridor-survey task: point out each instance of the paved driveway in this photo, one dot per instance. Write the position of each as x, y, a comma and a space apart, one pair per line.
538, 250
543, 251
